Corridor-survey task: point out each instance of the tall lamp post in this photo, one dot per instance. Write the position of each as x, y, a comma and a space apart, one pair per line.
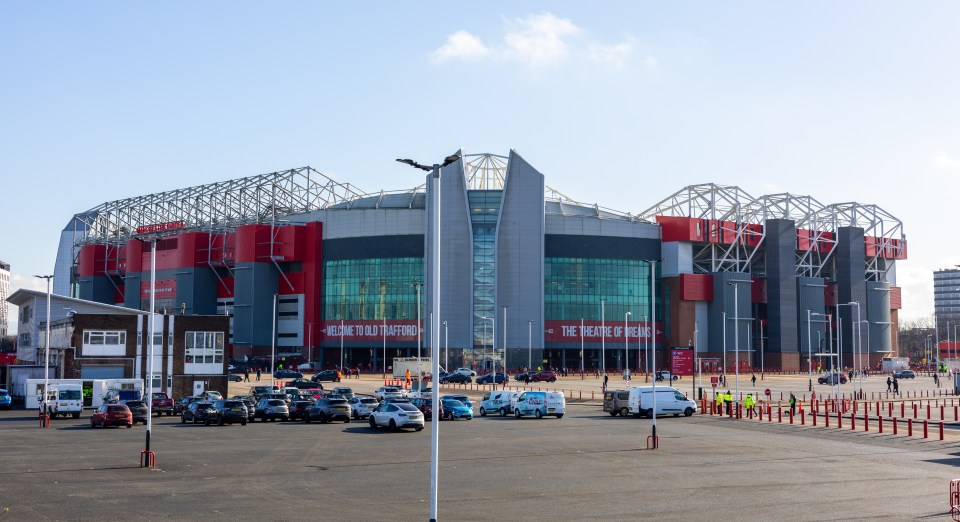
736, 334
384, 345
494, 381
483, 348
581, 348
653, 342
603, 337
46, 361
529, 345
446, 347
417, 285
646, 353
435, 326
626, 343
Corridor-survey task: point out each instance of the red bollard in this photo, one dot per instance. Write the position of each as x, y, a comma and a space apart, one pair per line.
878, 408
925, 428
866, 422
894, 425
914, 410
769, 413
814, 418
941, 412
839, 420
779, 414
903, 409
941, 430
956, 413
803, 421
826, 418
880, 423
928, 409
853, 421
909, 427
890, 413
791, 416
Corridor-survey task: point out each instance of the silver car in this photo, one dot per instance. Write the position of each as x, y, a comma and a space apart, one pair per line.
363, 406
388, 392
273, 409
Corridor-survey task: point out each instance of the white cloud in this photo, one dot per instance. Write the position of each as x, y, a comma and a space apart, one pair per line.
944, 161
614, 55
540, 40
461, 45
651, 63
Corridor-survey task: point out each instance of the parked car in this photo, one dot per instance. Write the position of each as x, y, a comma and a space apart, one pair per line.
501, 378
616, 402
139, 411
396, 416
361, 407
544, 376
832, 379
905, 374
308, 367
453, 409
327, 409
425, 405
111, 415
298, 409
456, 378
343, 391
6, 402
497, 402
227, 411
287, 374
257, 392
249, 404
669, 401
272, 409
278, 395
196, 412
183, 403
462, 398
161, 403
540, 404
425, 392
466, 372
234, 378
388, 392
326, 375
301, 384
523, 377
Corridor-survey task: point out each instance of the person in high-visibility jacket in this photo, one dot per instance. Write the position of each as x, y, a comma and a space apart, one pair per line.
728, 398
719, 403
749, 403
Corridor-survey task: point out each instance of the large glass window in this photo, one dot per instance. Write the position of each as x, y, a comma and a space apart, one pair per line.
574, 288
204, 347
484, 213
372, 289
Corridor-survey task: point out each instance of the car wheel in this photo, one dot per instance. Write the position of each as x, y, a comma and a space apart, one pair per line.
183, 420
517, 413
76, 415
650, 413
323, 418
688, 412
537, 414
553, 379
373, 422
624, 412
419, 428
102, 424
503, 412
220, 421
559, 415
243, 422
306, 418
347, 420
129, 425
483, 412
393, 425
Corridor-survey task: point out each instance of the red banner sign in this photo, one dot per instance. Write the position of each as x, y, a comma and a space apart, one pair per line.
681, 361
166, 289
160, 227
371, 331
595, 332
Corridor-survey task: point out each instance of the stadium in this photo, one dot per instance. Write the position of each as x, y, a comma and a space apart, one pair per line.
324, 271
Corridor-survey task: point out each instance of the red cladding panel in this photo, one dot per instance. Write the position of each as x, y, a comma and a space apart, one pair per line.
312, 273
825, 243
253, 244
729, 232
896, 298
192, 249
713, 230
681, 229
696, 287
134, 256
758, 291
225, 289
90, 260
832, 295
752, 235
872, 244
804, 239
295, 279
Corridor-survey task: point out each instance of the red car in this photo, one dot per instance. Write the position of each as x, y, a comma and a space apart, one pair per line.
544, 376
112, 415
425, 405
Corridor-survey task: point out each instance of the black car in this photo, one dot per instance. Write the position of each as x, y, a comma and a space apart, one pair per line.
327, 409
302, 384
522, 377
196, 412
234, 378
905, 374
456, 378
227, 411
326, 375
248, 402
139, 410
183, 403
298, 409
287, 374
501, 378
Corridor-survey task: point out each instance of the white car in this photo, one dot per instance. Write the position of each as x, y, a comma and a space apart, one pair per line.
362, 406
397, 415
419, 394
388, 392
466, 371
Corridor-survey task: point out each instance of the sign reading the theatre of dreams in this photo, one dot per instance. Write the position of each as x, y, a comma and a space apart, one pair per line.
166, 288
595, 332
369, 331
160, 227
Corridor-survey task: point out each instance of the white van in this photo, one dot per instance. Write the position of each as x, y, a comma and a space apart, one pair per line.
65, 399
669, 401
539, 404
501, 402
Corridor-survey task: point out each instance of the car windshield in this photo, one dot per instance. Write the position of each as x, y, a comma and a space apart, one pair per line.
70, 395
4, 393
406, 406
276, 402
451, 403
117, 407
390, 390
368, 401
344, 390
136, 404
232, 404
338, 402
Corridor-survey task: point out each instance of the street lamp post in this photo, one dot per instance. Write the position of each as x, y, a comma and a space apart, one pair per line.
418, 284
603, 338
446, 347
529, 345
46, 363
653, 342
384, 362
435, 172
626, 343
581, 348
646, 353
736, 338
809, 354
494, 382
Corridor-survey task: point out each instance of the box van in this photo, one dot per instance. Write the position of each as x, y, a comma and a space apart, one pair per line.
501, 402
669, 401
616, 402
539, 404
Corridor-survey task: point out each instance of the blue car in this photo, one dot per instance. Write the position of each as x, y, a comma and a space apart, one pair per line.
462, 398
6, 402
454, 409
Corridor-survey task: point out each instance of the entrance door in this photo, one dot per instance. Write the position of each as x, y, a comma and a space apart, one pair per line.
198, 388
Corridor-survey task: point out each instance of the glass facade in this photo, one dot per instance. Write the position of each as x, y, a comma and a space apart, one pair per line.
368, 289
484, 213
574, 288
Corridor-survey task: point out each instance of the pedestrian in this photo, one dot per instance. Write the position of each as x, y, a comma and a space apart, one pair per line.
896, 387
936, 380
339, 375
793, 404
728, 399
850, 375
605, 379
258, 374
246, 375
718, 406
889, 383
748, 403
406, 376
753, 379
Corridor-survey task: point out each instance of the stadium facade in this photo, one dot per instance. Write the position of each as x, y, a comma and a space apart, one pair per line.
528, 275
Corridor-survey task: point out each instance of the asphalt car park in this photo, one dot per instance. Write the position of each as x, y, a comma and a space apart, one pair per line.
587, 465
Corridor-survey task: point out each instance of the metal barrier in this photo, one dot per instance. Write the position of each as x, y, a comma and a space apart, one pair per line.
148, 459
955, 499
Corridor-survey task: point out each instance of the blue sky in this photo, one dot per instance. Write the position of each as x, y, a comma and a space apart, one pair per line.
619, 103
